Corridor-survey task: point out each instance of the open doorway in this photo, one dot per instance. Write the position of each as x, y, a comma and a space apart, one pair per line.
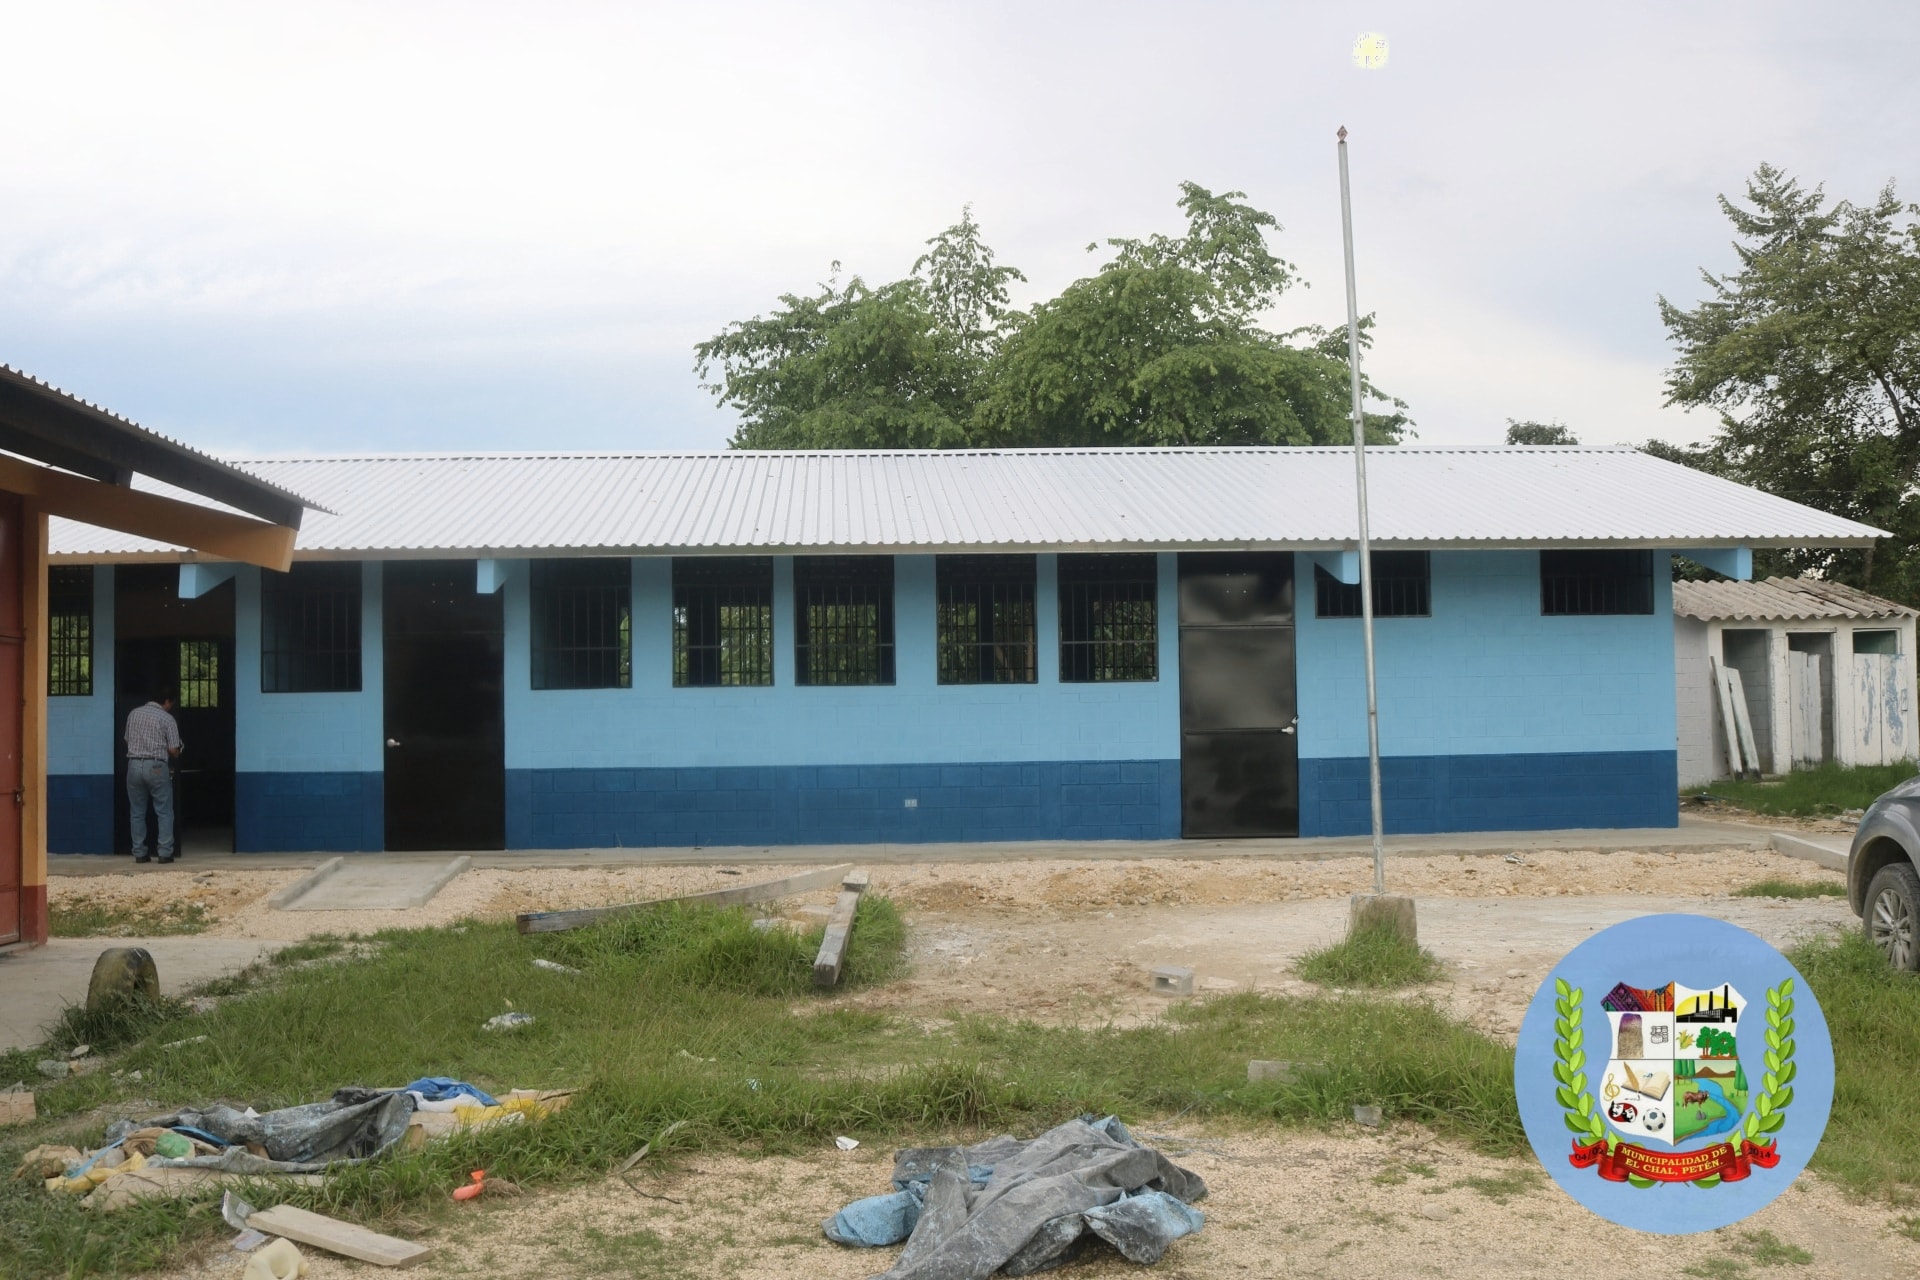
164, 642
1747, 650
1810, 696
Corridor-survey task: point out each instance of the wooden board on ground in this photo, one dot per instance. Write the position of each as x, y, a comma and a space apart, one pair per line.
1724, 696
339, 1237
833, 947
1737, 694
765, 891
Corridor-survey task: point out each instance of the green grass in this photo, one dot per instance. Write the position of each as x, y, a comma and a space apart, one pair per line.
789, 1069
1769, 1250
1372, 958
1776, 888
1812, 793
85, 918
1873, 1015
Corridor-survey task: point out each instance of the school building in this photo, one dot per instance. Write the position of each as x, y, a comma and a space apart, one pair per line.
575, 651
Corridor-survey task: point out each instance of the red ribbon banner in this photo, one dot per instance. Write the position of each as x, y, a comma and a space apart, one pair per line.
1728, 1162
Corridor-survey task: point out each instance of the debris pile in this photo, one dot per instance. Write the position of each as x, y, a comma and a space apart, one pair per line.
1019, 1207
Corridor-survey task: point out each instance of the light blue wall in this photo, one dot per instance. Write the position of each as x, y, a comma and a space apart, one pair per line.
80, 731
1488, 674
914, 721
306, 732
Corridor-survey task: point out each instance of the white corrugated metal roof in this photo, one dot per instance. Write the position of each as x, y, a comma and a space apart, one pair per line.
557, 504
1780, 599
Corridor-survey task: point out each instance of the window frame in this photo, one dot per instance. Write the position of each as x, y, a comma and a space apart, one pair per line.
849, 576
564, 661
312, 584
1088, 581
70, 631
995, 646
1391, 590
1598, 588
750, 580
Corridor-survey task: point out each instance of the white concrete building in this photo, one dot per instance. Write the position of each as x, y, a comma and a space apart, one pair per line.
1828, 674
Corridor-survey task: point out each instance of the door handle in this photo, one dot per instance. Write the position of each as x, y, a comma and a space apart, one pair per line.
393, 742
1293, 726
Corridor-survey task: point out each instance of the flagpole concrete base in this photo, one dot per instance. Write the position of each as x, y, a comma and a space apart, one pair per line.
1391, 911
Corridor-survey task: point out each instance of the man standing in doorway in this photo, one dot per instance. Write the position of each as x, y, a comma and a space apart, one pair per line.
152, 739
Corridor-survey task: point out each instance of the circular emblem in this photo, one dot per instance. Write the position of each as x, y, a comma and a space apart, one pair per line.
1370, 51
1674, 1074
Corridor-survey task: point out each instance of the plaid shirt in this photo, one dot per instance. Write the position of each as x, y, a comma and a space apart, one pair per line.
151, 733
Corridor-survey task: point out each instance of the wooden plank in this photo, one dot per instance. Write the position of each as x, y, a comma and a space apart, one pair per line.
1737, 695
339, 1237
833, 946
765, 891
1724, 696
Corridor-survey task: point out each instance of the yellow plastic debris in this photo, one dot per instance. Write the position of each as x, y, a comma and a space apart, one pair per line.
276, 1261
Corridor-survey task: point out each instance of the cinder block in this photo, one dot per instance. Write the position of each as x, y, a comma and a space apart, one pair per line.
1390, 911
1172, 980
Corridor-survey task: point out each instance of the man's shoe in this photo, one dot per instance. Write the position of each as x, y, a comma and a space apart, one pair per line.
143, 860
166, 862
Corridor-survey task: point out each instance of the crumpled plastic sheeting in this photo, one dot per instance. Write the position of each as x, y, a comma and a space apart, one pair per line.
878, 1220
1021, 1207
354, 1125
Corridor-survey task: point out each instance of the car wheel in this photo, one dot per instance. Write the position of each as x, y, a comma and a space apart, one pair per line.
1893, 915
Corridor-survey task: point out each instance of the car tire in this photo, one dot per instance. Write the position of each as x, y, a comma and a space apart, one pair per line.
1892, 918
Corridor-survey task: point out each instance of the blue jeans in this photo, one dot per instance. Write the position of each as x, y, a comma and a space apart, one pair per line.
149, 780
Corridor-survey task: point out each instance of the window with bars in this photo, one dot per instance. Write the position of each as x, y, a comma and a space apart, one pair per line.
723, 622
1402, 588
984, 619
310, 629
1596, 582
843, 619
199, 674
70, 632
582, 624
1109, 618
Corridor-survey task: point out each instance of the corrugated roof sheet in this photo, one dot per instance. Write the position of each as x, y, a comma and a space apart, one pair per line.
1780, 599
532, 504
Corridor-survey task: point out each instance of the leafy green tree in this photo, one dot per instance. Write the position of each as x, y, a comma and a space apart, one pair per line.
1539, 433
1162, 346
1809, 351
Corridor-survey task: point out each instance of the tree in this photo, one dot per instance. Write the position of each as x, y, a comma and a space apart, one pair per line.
1163, 345
1539, 433
1809, 351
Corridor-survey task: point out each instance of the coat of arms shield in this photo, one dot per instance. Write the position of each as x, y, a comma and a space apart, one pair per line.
1673, 1073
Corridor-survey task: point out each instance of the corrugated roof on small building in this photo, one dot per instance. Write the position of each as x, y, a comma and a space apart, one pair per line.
1781, 599
1010, 500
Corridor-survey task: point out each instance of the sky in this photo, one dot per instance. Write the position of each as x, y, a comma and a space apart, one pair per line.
327, 228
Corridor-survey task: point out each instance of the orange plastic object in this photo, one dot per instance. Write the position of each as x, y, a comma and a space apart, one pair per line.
473, 1188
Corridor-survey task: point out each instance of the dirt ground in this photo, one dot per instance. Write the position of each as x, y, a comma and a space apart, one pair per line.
1075, 942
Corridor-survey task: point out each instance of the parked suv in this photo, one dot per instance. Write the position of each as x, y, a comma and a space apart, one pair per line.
1882, 884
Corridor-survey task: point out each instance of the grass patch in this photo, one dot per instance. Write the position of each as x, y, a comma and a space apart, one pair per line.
1769, 1250
1776, 888
1873, 1014
1818, 792
1373, 958
1502, 1187
1716, 1269
119, 1020
695, 1016
85, 918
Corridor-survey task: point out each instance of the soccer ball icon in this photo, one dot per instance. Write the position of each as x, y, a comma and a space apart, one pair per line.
1654, 1120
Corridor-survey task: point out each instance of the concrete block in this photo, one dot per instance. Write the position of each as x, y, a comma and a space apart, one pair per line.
1172, 980
1390, 911
1369, 1116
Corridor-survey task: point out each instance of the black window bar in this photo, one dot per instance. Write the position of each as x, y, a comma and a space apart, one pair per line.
199, 674
1109, 618
1596, 582
985, 619
723, 622
70, 632
582, 624
843, 619
1402, 588
310, 629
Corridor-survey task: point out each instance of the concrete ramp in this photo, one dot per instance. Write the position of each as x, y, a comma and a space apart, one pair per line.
368, 884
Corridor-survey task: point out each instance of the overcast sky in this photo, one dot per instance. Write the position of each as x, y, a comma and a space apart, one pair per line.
303, 228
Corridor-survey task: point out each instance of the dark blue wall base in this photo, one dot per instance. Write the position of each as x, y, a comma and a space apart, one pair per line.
867, 804
309, 812
1493, 793
80, 813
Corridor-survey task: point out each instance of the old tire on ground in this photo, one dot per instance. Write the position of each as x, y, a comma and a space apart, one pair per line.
123, 973
1893, 915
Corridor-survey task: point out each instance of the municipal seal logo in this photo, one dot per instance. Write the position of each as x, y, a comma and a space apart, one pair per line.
1663, 1082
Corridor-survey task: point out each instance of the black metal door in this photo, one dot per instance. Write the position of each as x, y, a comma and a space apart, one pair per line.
446, 778
1239, 750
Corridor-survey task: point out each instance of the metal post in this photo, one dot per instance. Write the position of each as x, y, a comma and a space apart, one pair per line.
1366, 552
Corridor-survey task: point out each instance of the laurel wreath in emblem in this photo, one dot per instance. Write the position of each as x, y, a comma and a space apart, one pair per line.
1583, 1115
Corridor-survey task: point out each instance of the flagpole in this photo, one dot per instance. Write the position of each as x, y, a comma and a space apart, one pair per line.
1366, 551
